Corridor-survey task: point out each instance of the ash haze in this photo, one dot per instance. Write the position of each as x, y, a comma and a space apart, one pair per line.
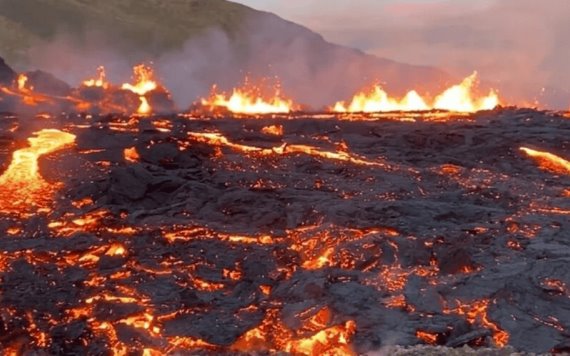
519, 47
519, 44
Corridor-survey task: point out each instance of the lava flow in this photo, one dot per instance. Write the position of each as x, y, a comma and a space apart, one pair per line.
548, 161
22, 90
219, 140
458, 98
249, 100
267, 235
22, 184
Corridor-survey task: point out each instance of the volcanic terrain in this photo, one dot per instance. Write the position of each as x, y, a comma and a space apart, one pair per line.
308, 234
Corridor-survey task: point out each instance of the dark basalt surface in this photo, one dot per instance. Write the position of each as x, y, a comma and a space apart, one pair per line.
451, 214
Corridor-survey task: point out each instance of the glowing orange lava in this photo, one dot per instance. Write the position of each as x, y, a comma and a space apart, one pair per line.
144, 83
249, 100
548, 161
458, 98
219, 140
100, 81
379, 101
22, 185
476, 312
131, 155
24, 91
22, 82
273, 336
427, 337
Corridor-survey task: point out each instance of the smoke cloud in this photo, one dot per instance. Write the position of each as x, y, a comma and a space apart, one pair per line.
518, 46
312, 71
521, 45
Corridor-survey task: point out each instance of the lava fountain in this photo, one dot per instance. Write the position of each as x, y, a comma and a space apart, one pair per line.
458, 98
548, 161
250, 100
100, 81
144, 83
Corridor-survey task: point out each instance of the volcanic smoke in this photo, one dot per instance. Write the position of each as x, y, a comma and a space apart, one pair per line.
265, 218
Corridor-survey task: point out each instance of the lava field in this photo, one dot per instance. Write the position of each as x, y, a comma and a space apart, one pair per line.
333, 234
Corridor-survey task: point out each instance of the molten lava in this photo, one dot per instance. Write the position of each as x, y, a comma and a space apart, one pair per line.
275, 130
131, 155
100, 81
458, 98
379, 101
144, 83
476, 312
273, 336
25, 92
427, 337
22, 185
22, 81
549, 161
216, 139
249, 100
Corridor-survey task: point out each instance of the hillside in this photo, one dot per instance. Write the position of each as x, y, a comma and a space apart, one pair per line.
193, 43
150, 25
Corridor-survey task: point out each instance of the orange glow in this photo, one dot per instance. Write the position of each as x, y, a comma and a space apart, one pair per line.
144, 80
22, 185
265, 289
249, 100
275, 130
189, 343
207, 286
324, 260
458, 98
555, 285
427, 337
82, 203
549, 161
273, 336
100, 81
476, 312
22, 81
26, 93
14, 231
116, 250
219, 140
143, 83
145, 107
396, 302
331, 341
379, 101
131, 155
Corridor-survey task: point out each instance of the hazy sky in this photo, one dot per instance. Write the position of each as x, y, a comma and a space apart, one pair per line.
367, 24
515, 42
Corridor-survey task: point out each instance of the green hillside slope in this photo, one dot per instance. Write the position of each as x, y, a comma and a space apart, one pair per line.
153, 26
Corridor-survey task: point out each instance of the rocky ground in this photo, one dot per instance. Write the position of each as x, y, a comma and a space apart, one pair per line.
308, 235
